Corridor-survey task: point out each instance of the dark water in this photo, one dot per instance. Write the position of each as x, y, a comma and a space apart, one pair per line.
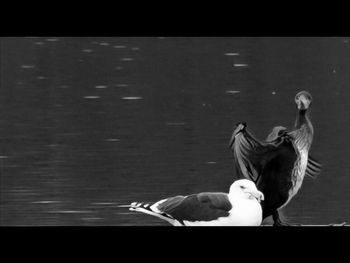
87, 124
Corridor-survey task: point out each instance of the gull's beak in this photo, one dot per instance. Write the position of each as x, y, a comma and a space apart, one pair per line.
257, 195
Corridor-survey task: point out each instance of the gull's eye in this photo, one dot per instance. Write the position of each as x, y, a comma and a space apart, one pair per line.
242, 187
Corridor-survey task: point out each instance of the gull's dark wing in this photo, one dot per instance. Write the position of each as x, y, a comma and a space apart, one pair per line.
197, 207
251, 155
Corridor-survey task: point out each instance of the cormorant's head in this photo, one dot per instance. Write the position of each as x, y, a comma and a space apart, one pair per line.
246, 189
303, 100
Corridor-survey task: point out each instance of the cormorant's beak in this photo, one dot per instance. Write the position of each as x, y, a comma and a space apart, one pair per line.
303, 103
257, 195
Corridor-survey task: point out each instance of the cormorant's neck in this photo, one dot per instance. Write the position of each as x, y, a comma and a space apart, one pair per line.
303, 133
301, 119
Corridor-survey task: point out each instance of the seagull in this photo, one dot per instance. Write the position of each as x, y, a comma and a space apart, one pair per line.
277, 165
240, 207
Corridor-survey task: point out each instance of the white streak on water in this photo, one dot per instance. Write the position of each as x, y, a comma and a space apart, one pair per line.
126, 59
119, 46
70, 212
103, 203
119, 68
52, 39
91, 97
232, 91
240, 65
231, 54
41, 77
39, 43
87, 50
122, 85
273, 92
211, 162
131, 98
27, 66
112, 140
46, 202
101, 87
64, 87
135, 48
3, 157
104, 44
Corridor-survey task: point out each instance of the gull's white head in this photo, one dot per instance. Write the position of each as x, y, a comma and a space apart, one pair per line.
246, 189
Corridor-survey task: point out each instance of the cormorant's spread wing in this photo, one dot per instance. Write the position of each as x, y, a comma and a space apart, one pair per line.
251, 155
313, 167
197, 207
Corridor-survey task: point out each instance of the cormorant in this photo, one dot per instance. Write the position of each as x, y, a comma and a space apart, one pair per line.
278, 164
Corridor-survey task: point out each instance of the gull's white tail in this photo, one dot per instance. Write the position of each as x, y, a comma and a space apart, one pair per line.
150, 210
133, 206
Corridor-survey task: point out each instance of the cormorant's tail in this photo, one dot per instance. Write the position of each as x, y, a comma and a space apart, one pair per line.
313, 168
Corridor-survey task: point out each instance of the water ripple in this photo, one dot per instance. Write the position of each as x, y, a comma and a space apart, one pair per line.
101, 87
27, 66
131, 98
119, 46
231, 54
232, 91
126, 59
91, 97
121, 85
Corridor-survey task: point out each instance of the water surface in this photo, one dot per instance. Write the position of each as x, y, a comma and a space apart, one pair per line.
87, 124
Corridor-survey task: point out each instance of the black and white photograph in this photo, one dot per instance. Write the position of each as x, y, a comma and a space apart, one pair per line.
162, 131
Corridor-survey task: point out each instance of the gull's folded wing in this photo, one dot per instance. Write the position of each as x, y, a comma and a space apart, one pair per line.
197, 207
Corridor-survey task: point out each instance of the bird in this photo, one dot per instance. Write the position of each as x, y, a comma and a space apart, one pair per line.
240, 207
279, 164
